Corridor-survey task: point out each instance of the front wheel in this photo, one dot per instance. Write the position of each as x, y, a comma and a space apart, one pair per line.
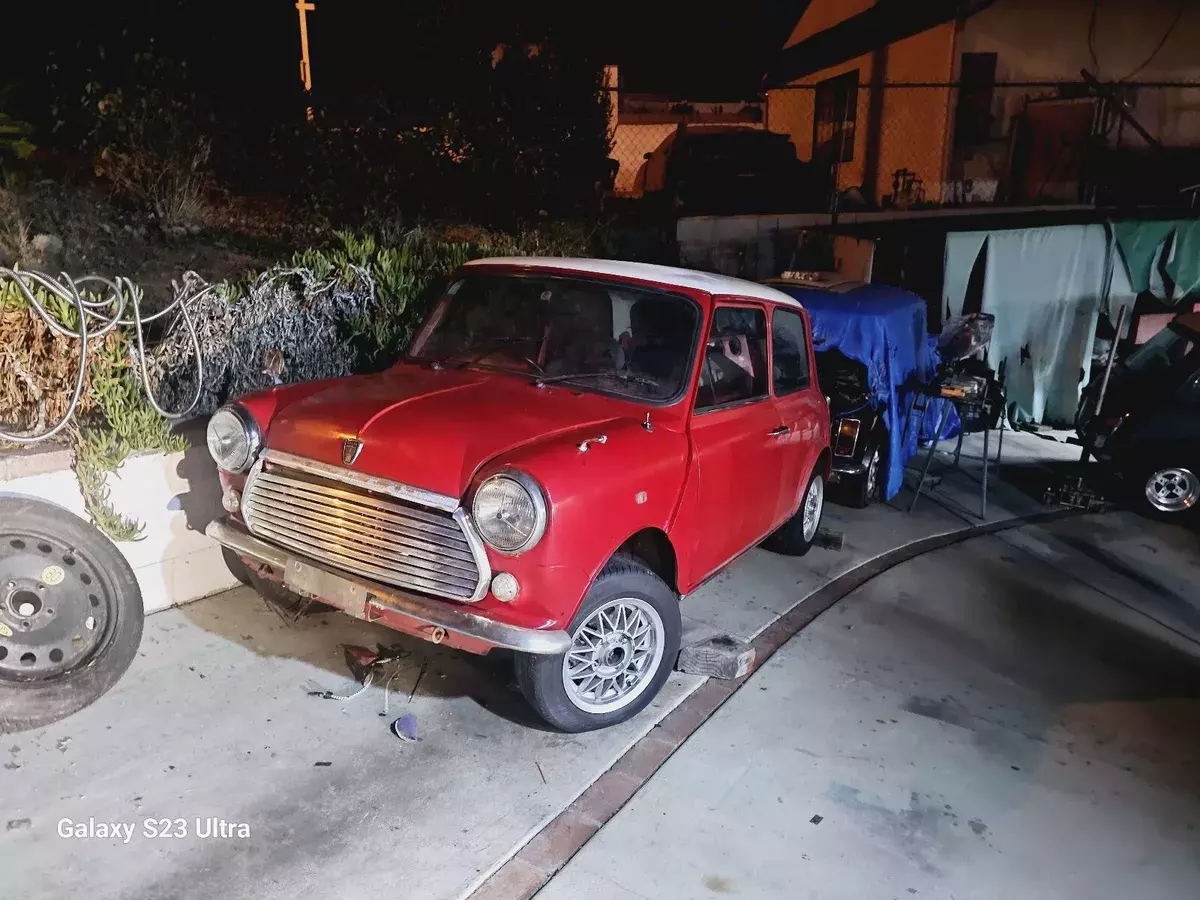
796, 536
624, 641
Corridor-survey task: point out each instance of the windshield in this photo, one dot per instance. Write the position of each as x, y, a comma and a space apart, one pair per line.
598, 336
1171, 347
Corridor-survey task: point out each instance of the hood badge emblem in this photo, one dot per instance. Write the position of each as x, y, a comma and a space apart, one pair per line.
350, 450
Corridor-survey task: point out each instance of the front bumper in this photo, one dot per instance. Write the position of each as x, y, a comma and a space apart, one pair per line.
349, 592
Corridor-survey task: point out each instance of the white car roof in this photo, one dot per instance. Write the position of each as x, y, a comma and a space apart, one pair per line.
668, 275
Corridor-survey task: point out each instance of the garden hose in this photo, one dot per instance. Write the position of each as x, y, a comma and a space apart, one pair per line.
116, 295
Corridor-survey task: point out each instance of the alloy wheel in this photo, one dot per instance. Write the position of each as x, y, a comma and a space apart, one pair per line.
814, 501
614, 655
1173, 490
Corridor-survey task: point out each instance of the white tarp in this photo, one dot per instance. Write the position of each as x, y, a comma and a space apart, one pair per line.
1046, 287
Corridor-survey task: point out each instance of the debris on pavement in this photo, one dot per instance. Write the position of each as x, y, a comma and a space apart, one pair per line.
367, 667
722, 656
540, 772
1075, 493
829, 539
817, 820
322, 763
14, 824
405, 727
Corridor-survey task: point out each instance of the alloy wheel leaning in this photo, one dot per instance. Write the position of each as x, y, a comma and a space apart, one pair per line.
614, 655
1173, 490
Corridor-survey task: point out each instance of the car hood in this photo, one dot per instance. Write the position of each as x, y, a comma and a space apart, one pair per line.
434, 428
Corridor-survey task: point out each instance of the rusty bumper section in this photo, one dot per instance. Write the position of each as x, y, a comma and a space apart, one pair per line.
358, 596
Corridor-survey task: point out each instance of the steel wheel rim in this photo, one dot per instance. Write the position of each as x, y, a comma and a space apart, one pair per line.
814, 500
872, 473
58, 607
614, 655
1173, 489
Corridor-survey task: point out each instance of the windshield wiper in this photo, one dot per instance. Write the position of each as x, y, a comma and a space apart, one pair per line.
624, 376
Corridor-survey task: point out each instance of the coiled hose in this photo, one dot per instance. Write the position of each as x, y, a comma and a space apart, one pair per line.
107, 313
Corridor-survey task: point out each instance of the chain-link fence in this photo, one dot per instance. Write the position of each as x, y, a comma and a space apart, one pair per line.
908, 145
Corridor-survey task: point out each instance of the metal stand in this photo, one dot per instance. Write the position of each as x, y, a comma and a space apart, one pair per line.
961, 409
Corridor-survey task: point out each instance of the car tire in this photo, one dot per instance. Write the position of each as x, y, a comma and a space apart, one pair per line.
629, 613
798, 534
1166, 486
863, 490
61, 581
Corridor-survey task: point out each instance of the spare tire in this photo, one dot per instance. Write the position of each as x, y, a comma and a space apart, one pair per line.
70, 613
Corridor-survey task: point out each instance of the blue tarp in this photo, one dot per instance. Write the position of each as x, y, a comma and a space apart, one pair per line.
884, 329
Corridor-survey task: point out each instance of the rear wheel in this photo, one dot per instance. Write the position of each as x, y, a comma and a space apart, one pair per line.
624, 642
797, 535
1167, 487
70, 614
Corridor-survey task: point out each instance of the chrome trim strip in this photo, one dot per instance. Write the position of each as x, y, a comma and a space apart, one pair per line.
408, 492
424, 609
475, 542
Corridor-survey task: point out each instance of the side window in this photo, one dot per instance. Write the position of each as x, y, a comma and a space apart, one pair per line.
790, 346
735, 358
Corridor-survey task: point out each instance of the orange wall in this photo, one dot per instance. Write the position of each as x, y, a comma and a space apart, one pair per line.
915, 123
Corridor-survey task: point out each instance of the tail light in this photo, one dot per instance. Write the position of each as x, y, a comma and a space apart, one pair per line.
847, 437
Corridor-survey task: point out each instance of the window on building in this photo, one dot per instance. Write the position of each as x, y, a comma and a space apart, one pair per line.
790, 349
833, 124
735, 358
977, 85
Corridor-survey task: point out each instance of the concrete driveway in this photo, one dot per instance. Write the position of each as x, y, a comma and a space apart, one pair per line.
213, 721
979, 722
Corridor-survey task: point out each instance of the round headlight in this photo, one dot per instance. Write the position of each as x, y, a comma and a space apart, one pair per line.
233, 438
510, 511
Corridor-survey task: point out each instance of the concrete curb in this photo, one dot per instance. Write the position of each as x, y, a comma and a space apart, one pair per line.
523, 874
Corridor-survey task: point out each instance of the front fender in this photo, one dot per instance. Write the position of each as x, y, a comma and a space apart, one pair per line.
596, 499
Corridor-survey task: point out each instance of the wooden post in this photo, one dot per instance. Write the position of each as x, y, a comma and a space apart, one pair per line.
303, 8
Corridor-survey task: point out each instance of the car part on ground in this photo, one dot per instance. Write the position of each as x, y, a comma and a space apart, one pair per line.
70, 613
624, 643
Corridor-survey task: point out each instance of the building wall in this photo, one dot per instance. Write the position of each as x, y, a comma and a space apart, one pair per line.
913, 123
1035, 40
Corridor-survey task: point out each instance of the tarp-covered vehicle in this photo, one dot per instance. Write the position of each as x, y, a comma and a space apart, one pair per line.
873, 354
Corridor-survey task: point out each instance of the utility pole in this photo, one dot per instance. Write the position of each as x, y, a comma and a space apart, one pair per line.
303, 8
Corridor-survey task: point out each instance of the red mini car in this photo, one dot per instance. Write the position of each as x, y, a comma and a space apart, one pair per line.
568, 447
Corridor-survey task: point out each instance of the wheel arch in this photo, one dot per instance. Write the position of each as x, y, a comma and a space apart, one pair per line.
654, 549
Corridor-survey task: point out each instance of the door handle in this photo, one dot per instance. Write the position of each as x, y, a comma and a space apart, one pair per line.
779, 432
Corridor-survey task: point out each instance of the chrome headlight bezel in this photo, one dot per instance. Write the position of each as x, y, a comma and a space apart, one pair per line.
537, 499
249, 428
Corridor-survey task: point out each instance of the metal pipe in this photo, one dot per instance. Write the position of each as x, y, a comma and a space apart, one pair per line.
1112, 356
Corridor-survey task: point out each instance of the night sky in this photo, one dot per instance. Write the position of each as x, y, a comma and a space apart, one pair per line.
251, 49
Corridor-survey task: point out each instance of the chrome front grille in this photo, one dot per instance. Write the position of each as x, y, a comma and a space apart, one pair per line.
369, 534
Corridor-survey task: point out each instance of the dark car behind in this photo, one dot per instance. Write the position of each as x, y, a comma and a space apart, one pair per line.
1147, 431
